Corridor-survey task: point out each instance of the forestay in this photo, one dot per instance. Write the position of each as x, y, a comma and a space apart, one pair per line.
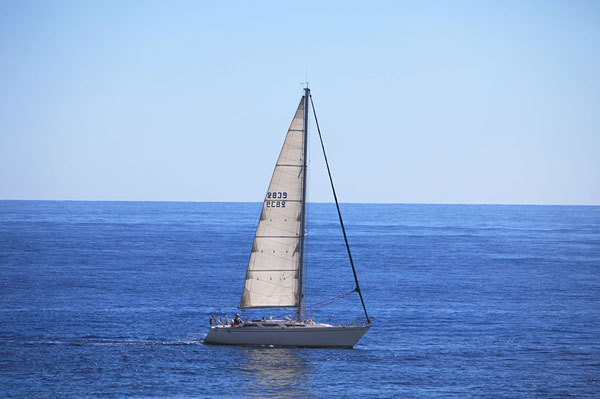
272, 278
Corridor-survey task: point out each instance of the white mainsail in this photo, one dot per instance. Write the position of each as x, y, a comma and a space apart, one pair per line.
272, 278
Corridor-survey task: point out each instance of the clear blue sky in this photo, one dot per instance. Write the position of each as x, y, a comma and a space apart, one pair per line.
421, 102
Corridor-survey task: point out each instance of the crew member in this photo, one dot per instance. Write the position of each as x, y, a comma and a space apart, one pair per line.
237, 321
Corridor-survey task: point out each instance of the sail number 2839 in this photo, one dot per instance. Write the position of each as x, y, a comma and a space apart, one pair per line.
276, 199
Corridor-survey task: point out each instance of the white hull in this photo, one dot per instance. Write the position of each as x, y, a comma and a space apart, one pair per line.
317, 336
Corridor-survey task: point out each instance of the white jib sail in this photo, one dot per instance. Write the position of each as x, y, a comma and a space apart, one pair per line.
272, 276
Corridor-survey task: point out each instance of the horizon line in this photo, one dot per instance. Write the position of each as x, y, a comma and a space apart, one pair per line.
310, 202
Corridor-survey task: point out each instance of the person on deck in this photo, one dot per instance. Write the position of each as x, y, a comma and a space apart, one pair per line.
237, 321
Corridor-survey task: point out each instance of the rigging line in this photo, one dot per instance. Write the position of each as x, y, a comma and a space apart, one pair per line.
319, 305
329, 301
357, 289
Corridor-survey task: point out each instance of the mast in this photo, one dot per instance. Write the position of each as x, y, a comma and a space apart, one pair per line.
303, 208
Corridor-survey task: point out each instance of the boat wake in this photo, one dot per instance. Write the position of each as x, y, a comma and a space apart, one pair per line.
113, 341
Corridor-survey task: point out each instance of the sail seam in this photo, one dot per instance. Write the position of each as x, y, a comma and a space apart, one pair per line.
296, 236
273, 270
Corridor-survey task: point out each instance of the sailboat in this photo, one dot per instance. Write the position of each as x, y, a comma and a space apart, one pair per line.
274, 278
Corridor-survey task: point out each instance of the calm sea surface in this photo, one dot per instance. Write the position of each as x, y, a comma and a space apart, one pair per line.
112, 299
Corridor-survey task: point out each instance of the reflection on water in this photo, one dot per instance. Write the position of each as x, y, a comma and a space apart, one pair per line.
276, 372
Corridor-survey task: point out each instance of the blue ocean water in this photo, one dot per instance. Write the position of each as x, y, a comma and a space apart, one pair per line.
112, 299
